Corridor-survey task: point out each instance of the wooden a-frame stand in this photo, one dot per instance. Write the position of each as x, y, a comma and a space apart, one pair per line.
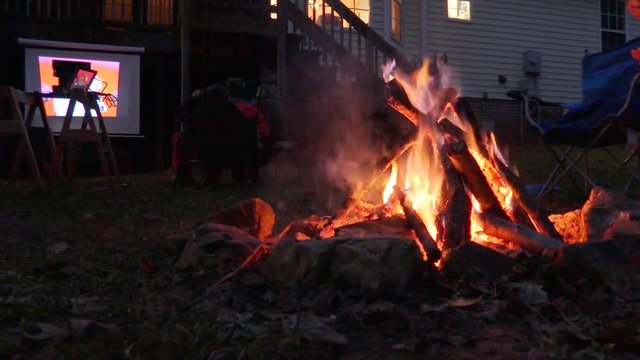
88, 133
15, 124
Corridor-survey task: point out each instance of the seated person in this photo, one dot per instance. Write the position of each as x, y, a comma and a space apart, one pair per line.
218, 131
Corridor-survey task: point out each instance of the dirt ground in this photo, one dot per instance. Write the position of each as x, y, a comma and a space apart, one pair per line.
88, 274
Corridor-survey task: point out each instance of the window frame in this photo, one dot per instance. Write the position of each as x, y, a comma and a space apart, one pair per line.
457, 19
159, 11
314, 7
621, 14
125, 8
394, 36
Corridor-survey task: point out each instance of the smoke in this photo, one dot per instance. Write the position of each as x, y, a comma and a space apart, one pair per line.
338, 139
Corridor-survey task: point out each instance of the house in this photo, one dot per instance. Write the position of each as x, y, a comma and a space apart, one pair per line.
494, 46
293, 45
487, 41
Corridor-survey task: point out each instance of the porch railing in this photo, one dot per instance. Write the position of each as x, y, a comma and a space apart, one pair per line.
331, 26
126, 13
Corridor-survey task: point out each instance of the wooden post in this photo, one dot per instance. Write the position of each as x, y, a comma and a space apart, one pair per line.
185, 49
160, 118
282, 59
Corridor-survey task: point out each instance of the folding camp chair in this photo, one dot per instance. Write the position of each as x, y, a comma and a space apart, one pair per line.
608, 115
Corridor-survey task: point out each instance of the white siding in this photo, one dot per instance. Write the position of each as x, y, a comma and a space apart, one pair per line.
500, 31
411, 32
377, 16
633, 27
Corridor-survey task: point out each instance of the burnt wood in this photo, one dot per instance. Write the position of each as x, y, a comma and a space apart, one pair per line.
454, 219
526, 201
474, 178
417, 225
410, 113
519, 234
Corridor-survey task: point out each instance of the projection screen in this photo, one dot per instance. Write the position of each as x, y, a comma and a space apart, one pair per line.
118, 74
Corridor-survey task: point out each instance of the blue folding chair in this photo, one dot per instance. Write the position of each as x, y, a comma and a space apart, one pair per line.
608, 115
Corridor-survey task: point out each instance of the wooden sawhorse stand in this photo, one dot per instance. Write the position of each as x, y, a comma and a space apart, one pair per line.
88, 133
16, 124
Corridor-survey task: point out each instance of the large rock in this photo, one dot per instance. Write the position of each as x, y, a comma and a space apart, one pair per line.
389, 226
475, 261
255, 216
603, 210
611, 262
597, 220
569, 225
212, 242
292, 262
377, 264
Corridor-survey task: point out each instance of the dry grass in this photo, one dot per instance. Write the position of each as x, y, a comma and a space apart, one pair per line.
119, 251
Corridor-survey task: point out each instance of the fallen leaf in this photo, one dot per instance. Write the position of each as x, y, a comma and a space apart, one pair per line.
315, 329
47, 331
462, 302
530, 293
84, 325
57, 247
425, 308
88, 304
71, 270
455, 303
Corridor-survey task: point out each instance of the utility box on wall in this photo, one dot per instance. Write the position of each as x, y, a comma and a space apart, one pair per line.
532, 63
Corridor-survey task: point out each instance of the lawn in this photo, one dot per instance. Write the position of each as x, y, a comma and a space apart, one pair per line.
81, 252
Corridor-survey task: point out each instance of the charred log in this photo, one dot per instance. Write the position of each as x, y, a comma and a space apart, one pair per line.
464, 111
519, 234
396, 92
454, 219
474, 179
417, 225
526, 201
410, 113
450, 129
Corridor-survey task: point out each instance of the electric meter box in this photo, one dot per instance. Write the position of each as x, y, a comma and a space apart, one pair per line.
532, 63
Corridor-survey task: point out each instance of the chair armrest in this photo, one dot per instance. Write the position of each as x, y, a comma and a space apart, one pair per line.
522, 96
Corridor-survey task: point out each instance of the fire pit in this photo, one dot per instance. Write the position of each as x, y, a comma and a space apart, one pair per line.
449, 186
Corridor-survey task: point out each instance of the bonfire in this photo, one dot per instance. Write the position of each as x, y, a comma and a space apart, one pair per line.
448, 186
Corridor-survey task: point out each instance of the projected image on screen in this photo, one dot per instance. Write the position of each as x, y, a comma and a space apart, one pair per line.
106, 81
117, 72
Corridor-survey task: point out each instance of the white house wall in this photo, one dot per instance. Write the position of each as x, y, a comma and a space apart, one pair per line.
377, 16
633, 27
500, 31
412, 31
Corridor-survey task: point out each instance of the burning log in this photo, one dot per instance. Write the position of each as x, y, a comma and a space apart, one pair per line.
415, 222
519, 234
351, 202
473, 177
450, 129
454, 220
525, 201
410, 114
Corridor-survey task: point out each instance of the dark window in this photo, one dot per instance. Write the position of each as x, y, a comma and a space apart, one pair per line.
118, 10
160, 12
612, 23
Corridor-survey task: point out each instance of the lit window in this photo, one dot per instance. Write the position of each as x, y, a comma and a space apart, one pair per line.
396, 11
459, 9
320, 12
118, 10
273, 14
160, 12
612, 23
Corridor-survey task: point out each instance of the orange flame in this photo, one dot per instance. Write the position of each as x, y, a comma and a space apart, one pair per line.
424, 172
391, 183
